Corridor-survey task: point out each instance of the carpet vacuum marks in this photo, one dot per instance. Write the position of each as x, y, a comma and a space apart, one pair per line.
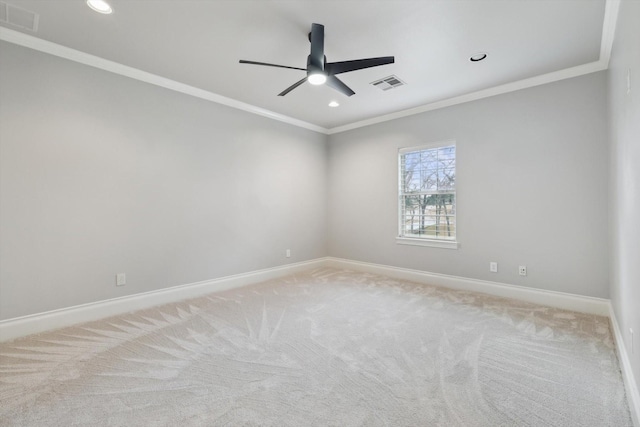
326, 347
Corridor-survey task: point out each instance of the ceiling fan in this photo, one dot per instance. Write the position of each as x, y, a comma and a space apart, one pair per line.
319, 71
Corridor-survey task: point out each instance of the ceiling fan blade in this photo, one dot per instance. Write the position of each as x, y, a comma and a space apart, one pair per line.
292, 87
242, 61
358, 64
316, 58
337, 84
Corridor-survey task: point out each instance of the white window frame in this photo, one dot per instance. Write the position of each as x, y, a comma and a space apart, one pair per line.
425, 241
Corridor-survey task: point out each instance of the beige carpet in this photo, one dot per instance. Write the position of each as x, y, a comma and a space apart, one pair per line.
326, 348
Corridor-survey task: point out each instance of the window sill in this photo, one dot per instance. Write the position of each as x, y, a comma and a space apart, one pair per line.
445, 244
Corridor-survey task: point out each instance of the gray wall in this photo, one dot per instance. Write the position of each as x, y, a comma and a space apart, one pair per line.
624, 113
531, 177
101, 174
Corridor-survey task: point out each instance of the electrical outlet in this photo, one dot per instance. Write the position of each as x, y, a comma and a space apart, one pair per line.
522, 270
288, 253
121, 279
493, 267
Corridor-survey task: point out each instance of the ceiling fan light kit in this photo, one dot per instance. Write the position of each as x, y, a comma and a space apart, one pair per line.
319, 71
317, 79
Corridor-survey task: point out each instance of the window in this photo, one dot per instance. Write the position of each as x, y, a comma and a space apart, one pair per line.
427, 195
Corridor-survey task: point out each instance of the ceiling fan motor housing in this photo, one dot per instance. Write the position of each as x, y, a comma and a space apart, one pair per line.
313, 69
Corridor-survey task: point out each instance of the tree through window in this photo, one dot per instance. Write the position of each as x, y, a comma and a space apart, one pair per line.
428, 192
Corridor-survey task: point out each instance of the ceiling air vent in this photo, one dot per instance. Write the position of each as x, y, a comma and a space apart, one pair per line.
387, 83
18, 17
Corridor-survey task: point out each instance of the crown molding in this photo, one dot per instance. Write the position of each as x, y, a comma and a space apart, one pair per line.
567, 73
608, 32
61, 51
611, 8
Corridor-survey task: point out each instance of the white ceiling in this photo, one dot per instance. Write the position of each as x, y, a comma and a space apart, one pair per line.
199, 43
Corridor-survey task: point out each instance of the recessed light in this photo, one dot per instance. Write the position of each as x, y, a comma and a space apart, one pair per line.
478, 57
334, 104
100, 6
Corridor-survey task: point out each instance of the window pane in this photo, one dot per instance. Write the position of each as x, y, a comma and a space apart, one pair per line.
411, 203
427, 193
446, 179
429, 179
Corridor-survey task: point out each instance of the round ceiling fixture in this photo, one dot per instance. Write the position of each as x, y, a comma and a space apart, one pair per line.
476, 57
334, 104
100, 6
317, 78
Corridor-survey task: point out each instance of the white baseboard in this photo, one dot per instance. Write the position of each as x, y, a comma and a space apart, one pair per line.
36, 323
599, 306
631, 387
40, 322
583, 304
17, 327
